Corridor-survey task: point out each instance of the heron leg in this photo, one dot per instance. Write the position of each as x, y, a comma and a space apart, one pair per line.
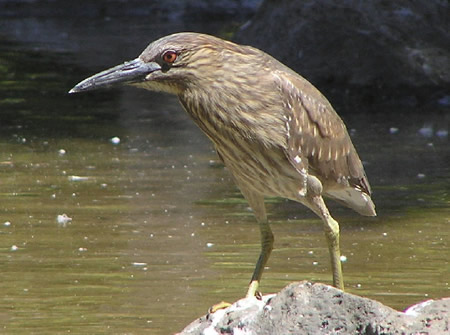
256, 202
331, 228
266, 249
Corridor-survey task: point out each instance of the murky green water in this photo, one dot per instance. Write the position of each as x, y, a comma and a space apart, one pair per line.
159, 233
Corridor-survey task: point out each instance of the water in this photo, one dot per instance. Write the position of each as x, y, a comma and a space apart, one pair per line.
159, 232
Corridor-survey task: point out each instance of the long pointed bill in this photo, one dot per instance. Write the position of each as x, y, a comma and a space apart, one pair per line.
128, 72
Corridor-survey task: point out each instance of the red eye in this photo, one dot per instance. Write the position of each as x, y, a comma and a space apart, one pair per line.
169, 56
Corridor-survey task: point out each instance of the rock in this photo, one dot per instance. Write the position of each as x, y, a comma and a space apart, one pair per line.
306, 308
378, 43
171, 10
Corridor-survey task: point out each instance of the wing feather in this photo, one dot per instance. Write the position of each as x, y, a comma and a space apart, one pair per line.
318, 136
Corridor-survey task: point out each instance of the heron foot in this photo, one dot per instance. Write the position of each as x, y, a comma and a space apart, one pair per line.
253, 290
220, 305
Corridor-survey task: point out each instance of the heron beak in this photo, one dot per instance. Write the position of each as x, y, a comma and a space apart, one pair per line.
128, 72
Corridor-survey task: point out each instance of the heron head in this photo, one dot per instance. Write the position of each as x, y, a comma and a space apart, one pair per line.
169, 64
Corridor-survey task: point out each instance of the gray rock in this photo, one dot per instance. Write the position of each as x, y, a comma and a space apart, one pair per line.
378, 43
170, 10
306, 308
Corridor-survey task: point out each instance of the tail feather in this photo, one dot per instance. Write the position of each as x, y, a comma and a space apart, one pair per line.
355, 199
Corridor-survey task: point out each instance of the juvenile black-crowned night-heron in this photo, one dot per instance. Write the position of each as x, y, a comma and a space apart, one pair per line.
275, 132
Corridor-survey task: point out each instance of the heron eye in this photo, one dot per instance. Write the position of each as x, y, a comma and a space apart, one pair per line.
169, 57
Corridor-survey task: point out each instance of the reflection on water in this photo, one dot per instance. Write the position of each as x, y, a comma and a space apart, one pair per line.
159, 232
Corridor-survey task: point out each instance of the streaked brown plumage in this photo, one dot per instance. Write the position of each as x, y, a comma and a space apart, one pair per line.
275, 132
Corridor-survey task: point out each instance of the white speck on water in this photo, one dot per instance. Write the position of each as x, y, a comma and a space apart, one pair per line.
14, 248
61, 152
63, 219
151, 235
193, 234
404, 12
138, 264
103, 185
343, 258
445, 100
384, 234
310, 252
115, 140
393, 130
7, 223
209, 244
420, 175
82, 249
315, 263
426, 131
77, 178
442, 133
202, 224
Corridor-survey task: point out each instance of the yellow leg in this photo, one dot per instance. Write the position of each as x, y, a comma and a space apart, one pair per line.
256, 202
332, 235
266, 249
331, 228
